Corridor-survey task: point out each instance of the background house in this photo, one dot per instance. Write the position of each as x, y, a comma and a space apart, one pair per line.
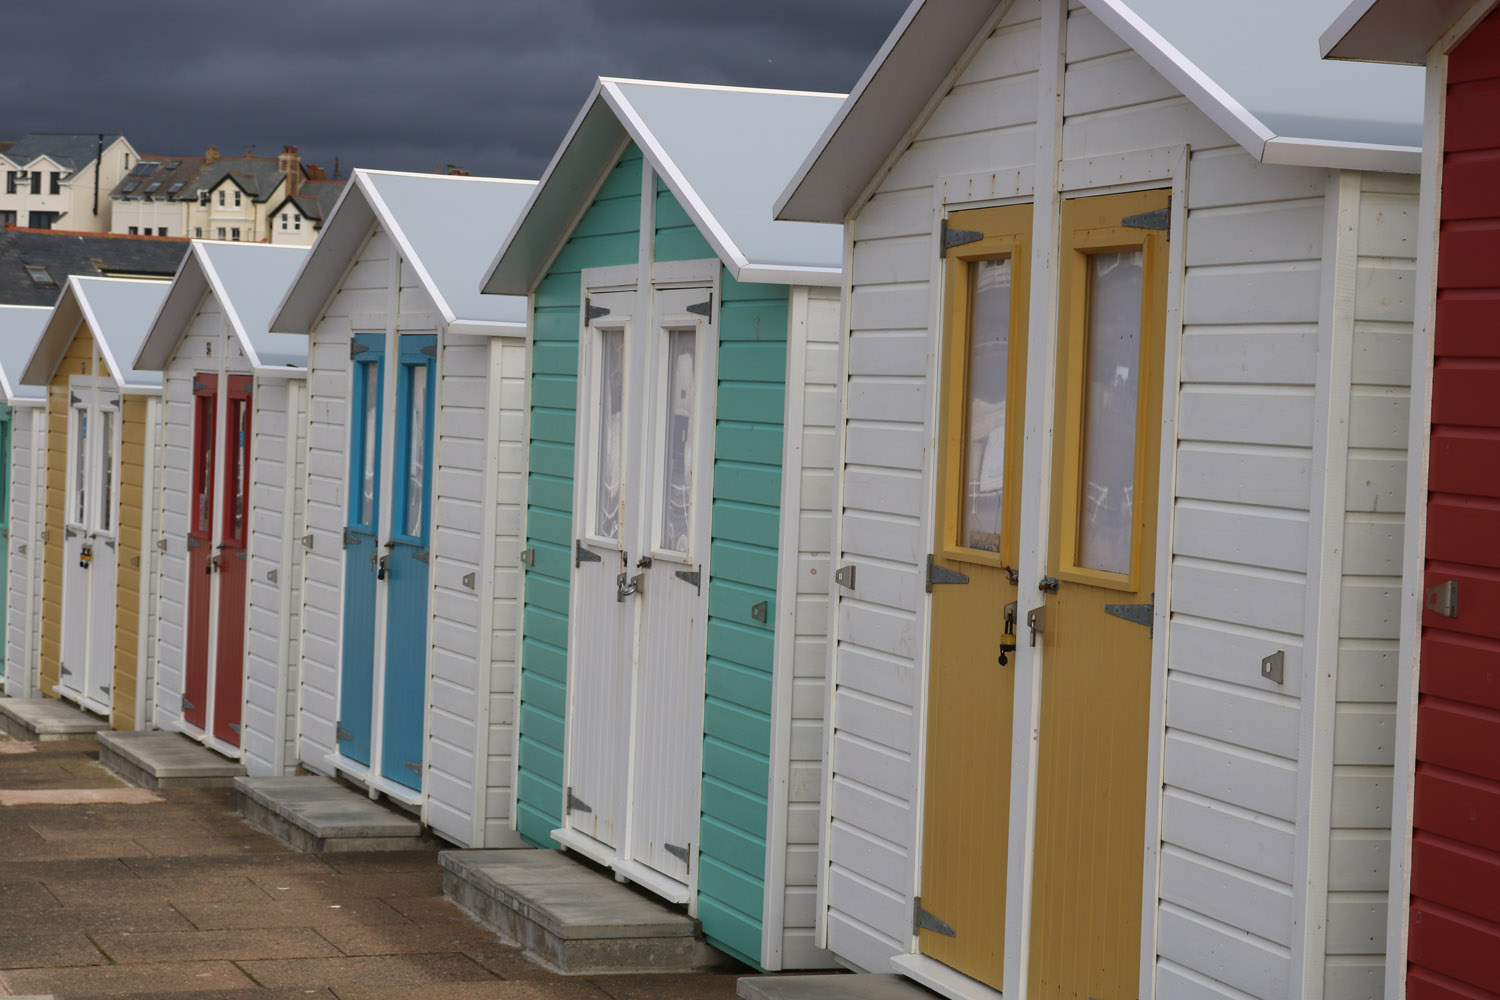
62, 180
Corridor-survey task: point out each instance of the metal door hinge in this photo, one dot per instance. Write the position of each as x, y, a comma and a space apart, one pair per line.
194, 543
703, 308
68, 532
414, 765
592, 312
431, 351
73, 399
844, 576
110, 542
528, 556
1443, 599
357, 348
241, 555
235, 727
1159, 218
341, 733
941, 574
683, 854
957, 237
582, 555
350, 538
1273, 667
307, 541
924, 921
421, 556
693, 576
62, 668
199, 386
1141, 614
272, 575
469, 580
104, 688
575, 804
161, 545
759, 610
186, 705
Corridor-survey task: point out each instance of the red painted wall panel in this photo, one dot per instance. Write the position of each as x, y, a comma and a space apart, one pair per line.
1453, 948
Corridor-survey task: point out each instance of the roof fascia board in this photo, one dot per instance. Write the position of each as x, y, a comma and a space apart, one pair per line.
1342, 155
717, 236
488, 328
767, 274
388, 219
170, 324
51, 346
292, 315
283, 373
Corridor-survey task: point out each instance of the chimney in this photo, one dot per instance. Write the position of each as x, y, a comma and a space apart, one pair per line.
315, 172
211, 157
290, 163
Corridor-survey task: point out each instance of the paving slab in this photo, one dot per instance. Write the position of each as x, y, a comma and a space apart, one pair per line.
41, 720
317, 814
838, 986
158, 759
572, 918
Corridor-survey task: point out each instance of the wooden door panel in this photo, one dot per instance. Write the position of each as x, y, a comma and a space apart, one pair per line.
200, 551
229, 653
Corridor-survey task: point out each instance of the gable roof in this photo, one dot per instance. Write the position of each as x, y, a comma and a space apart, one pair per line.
1252, 68
1391, 32
445, 226
248, 280
70, 150
20, 329
724, 152
314, 199
89, 254
119, 311
257, 176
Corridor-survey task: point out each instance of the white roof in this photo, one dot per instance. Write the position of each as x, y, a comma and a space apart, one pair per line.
1252, 67
248, 280
1391, 31
119, 311
724, 152
20, 329
446, 227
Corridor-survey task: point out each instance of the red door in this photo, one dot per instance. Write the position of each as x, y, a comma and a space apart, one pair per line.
229, 663
1454, 945
200, 551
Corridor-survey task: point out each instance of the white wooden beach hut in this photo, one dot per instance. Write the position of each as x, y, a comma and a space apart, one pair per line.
233, 444
23, 456
684, 345
1122, 475
415, 457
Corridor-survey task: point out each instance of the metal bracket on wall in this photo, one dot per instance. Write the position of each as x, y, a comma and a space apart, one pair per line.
469, 580
1273, 667
1442, 599
307, 541
942, 574
759, 611
272, 575
844, 576
161, 545
528, 557
924, 921
582, 555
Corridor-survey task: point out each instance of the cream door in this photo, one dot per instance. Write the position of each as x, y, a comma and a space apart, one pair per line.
103, 537
78, 553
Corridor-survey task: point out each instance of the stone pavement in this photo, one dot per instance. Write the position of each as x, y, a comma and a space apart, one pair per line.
109, 891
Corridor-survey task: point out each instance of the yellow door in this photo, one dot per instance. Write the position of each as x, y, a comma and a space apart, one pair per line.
1095, 628
961, 913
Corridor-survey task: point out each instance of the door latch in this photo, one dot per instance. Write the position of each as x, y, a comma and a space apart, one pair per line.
1006, 648
85, 555
625, 585
1036, 620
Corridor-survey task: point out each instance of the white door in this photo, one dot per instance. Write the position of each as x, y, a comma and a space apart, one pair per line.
667, 731
603, 610
103, 533
77, 553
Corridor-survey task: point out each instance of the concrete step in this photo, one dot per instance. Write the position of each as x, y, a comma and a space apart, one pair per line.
838, 986
572, 918
319, 815
157, 759
43, 719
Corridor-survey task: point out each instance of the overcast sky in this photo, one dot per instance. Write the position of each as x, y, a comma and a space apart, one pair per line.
489, 85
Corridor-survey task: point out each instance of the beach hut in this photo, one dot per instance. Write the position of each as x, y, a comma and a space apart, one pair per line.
678, 504
1443, 933
23, 451
98, 569
1122, 473
414, 459
233, 441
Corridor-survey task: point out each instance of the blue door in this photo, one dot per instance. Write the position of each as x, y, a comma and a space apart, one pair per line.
406, 564
361, 548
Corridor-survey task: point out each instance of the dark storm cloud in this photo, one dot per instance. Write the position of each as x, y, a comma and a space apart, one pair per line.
490, 85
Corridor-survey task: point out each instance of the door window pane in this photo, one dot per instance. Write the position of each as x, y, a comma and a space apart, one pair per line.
106, 469
984, 419
203, 485
369, 394
608, 493
416, 448
1109, 411
80, 464
677, 463
239, 412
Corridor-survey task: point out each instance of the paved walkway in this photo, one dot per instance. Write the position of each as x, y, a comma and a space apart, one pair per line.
110, 891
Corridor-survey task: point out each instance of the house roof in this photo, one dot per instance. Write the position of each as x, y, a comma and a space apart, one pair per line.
20, 329
61, 255
257, 176
248, 280
1390, 32
158, 170
1252, 68
724, 152
445, 226
314, 199
119, 311
70, 150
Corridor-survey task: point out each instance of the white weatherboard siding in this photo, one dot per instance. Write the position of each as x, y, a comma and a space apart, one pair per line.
1242, 546
363, 292
23, 620
507, 443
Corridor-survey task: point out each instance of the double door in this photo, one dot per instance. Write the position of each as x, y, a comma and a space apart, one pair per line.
383, 666
218, 533
90, 539
643, 479
1090, 614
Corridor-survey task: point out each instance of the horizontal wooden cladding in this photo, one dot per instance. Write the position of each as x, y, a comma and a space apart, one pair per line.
1463, 529
1456, 875
1478, 57
1465, 460
1469, 190
1464, 391
1461, 668
1458, 806
1471, 122
1466, 323
1461, 946
1466, 251
1458, 736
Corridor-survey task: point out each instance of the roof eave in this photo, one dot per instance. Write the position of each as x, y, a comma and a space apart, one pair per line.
1389, 32
314, 283
409, 253
58, 333
176, 311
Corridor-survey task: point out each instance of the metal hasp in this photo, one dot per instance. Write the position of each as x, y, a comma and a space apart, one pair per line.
342, 733
1273, 667
582, 555
592, 312
924, 921
1141, 614
528, 557
625, 585
575, 804
693, 576
844, 576
1442, 599
957, 237
759, 611
1160, 219
1036, 620
942, 574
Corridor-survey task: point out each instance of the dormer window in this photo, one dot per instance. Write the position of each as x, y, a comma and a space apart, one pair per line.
40, 277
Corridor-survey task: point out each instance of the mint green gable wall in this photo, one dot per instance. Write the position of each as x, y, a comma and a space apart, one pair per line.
608, 234
745, 529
